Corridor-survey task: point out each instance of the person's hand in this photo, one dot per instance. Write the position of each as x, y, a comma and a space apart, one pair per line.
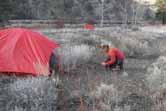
103, 64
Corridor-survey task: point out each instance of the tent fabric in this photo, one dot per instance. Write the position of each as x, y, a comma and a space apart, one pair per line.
23, 51
88, 27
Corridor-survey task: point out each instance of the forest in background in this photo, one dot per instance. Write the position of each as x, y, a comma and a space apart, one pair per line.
84, 10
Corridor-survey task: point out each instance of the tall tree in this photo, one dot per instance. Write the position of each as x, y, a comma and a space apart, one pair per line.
5, 11
161, 12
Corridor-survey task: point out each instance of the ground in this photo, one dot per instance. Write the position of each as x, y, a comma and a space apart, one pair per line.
84, 84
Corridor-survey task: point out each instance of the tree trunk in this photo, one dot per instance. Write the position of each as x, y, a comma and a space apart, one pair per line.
164, 19
102, 14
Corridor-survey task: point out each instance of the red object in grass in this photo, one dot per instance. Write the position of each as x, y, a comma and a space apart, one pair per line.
89, 27
23, 51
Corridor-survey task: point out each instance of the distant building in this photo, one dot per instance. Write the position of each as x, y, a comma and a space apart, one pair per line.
150, 2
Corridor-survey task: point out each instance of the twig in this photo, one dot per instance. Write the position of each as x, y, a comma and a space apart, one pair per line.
81, 104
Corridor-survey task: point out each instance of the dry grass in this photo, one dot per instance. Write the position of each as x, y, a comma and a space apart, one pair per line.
85, 85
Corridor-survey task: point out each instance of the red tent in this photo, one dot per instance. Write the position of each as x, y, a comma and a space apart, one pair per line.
89, 27
23, 51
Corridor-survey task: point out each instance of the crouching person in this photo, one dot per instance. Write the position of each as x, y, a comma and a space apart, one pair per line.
115, 58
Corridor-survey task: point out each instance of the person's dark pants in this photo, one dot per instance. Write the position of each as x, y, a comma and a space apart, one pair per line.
118, 62
53, 62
